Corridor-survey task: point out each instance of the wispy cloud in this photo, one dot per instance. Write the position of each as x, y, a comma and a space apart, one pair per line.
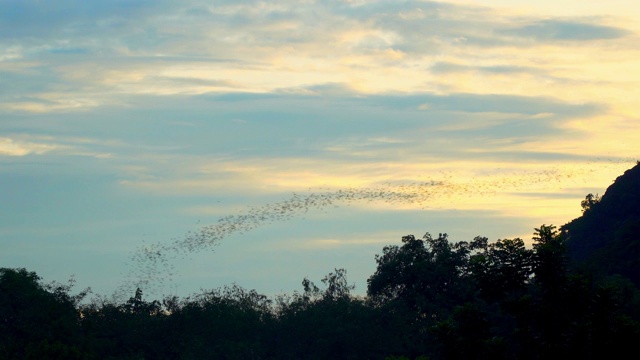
566, 30
172, 47
23, 145
9, 147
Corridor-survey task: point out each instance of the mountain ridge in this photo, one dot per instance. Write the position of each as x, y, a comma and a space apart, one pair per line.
606, 238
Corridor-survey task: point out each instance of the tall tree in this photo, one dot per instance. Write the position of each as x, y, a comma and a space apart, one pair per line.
501, 268
428, 274
37, 320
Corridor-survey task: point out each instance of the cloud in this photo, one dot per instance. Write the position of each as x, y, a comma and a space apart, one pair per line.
347, 125
10, 147
566, 30
33, 18
70, 51
89, 54
242, 29
449, 67
25, 144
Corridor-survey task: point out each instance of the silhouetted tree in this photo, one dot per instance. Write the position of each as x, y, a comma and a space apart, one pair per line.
589, 201
427, 274
36, 320
500, 269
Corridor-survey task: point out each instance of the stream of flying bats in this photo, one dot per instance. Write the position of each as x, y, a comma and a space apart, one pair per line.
152, 266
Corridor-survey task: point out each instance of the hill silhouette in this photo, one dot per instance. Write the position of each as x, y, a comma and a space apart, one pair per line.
606, 238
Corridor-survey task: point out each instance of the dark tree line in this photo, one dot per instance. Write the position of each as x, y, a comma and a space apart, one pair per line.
429, 298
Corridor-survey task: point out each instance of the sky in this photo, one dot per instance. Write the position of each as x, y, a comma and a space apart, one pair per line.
186, 145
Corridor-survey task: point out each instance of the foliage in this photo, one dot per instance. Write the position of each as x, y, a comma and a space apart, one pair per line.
589, 202
425, 274
500, 269
37, 320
